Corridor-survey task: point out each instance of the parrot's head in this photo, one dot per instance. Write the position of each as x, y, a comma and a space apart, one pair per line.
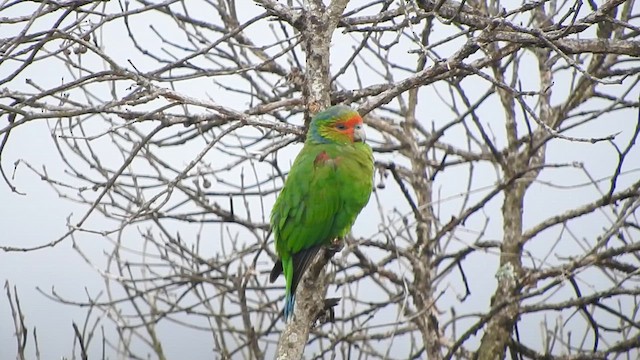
337, 124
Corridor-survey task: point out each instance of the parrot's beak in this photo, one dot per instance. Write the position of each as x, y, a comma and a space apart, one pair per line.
358, 133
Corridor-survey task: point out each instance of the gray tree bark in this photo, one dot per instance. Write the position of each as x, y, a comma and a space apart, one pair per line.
319, 23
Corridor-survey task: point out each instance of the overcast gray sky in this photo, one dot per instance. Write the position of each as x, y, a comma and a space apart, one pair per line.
40, 216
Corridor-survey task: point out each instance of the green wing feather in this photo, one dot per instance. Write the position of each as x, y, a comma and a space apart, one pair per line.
326, 189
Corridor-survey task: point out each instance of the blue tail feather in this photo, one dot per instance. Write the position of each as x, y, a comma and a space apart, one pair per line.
289, 302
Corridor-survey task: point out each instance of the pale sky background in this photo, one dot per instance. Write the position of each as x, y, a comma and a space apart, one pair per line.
40, 216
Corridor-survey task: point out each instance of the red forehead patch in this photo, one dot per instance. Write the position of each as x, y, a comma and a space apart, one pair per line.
353, 121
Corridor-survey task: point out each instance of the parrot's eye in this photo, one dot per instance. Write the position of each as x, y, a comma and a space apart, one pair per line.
341, 127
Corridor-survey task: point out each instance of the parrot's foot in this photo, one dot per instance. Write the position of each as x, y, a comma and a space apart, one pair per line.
328, 313
336, 246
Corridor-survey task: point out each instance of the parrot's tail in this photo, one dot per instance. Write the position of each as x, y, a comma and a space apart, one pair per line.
289, 302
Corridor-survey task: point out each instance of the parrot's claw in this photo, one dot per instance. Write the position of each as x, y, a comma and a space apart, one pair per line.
328, 313
336, 246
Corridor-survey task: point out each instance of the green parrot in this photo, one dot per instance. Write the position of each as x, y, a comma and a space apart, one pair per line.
329, 183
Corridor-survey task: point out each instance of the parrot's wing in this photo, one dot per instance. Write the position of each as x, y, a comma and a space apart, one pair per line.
303, 218
301, 262
276, 271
